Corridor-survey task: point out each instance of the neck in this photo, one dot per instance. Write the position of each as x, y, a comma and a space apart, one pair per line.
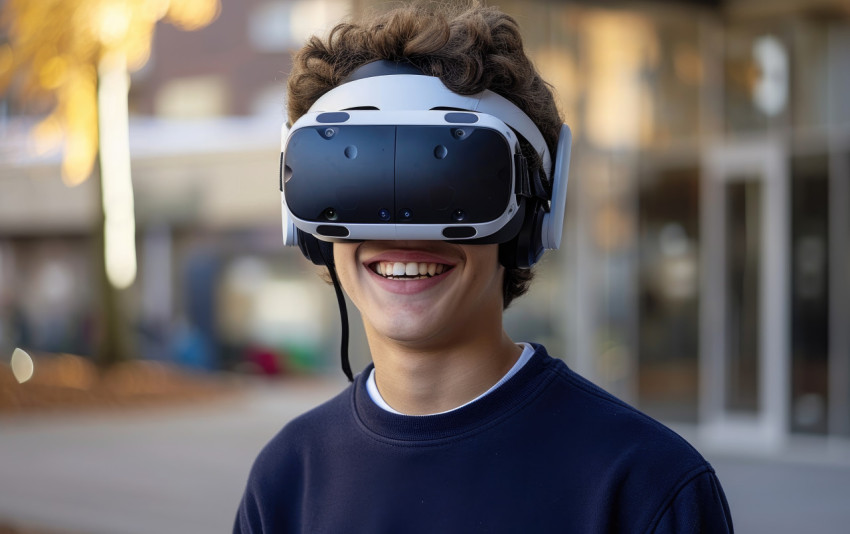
427, 378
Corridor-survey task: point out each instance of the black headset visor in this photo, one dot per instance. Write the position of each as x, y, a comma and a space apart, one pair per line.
417, 181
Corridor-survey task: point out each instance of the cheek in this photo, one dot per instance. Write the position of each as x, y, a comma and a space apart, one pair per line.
486, 267
345, 261
344, 253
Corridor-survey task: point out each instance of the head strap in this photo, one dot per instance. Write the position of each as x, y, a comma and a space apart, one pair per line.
419, 92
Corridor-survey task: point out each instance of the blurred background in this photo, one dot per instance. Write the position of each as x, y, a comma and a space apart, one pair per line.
704, 274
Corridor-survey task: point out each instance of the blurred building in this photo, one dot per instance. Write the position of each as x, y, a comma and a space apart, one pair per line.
705, 274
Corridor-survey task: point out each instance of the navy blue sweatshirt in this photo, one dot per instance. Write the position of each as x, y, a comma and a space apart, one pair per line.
546, 452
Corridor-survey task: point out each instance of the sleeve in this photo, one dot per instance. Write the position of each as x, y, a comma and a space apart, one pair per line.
248, 519
699, 506
270, 503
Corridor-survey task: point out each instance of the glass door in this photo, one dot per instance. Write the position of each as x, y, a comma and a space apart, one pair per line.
744, 311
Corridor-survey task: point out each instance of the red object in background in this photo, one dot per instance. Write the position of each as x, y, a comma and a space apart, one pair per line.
267, 361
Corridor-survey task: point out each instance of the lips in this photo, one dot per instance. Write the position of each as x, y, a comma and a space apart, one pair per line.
408, 270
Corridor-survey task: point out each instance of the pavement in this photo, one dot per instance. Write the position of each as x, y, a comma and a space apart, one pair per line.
183, 470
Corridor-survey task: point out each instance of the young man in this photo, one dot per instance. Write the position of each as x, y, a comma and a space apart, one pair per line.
454, 427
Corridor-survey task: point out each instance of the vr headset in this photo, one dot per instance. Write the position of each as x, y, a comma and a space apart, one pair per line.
392, 154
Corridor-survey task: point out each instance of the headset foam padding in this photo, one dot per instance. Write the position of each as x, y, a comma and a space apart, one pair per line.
317, 251
524, 250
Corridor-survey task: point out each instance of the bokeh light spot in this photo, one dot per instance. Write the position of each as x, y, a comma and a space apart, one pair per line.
22, 366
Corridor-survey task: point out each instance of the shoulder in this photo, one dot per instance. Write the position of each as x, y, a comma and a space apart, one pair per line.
654, 475
279, 472
698, 505
604, 418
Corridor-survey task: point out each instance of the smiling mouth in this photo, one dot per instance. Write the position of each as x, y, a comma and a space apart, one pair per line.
408, 271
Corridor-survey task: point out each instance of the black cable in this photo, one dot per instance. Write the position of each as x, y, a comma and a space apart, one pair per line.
343, 315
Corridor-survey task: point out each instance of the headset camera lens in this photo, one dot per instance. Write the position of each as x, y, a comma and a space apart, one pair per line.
406, 214
329, 132
459, 133
458, 215
384, 214
331, 214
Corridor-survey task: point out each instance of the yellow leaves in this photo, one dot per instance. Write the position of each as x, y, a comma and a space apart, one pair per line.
193, 14
79, 110
47, 135
7, 66
137, 47
7, 60
52, 74
48, 37
72, 125
124, 26
55, 46
112, 23
43, 46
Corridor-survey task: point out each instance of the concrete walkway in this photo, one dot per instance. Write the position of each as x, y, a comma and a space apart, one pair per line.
153, 470
183, 470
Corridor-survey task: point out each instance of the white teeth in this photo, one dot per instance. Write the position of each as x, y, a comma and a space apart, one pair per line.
398, 269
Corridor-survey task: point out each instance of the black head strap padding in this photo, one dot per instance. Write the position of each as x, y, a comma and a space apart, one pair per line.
317, 251
540, 188
523, 251
523, 187
382, 67
530, 184
526, 248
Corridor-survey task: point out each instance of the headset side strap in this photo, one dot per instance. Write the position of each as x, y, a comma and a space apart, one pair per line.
290, 233
553, 222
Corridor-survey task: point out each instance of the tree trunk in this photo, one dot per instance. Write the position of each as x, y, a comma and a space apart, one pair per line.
116, 235
113, 343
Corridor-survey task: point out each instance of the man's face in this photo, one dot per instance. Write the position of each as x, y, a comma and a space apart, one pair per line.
460, 288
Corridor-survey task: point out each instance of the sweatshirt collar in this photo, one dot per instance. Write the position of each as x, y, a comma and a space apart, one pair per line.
456, 424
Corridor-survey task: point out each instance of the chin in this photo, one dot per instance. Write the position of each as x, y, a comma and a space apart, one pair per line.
409, 327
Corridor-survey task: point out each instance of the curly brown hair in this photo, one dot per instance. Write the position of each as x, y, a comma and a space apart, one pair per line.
469, 47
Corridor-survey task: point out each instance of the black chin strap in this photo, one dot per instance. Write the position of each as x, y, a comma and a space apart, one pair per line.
343, 315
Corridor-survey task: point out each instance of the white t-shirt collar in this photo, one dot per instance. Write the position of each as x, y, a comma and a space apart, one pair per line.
375, 395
